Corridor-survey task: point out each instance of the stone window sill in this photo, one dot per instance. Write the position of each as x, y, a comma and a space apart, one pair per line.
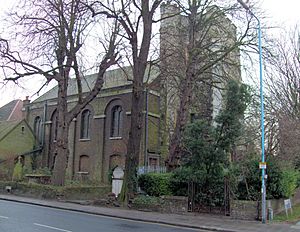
115, 138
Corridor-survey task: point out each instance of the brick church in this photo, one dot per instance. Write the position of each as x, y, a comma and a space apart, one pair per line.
98, 136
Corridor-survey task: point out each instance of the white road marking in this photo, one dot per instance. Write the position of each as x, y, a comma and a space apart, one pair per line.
51, 227
4, 217
70, 211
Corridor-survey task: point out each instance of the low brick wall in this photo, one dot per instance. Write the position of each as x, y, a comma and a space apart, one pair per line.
174, 204
53, 192
244, 210
166, 204
249, 210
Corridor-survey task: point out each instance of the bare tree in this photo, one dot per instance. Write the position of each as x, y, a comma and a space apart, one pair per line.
251, 139
283, 73
136, 19
207, 50
282, 84
48, 40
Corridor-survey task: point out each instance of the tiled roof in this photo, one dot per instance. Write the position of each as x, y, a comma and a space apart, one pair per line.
112, 78
16, 113
6, 127
7, 110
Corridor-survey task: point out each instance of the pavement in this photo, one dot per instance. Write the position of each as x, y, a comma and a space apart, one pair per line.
188, 220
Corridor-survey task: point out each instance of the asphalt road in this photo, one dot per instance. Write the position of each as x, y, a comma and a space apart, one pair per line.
18, 217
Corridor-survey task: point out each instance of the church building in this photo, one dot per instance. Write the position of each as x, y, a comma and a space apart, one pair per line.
98, 136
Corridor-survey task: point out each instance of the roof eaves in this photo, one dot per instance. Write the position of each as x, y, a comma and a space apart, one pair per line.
11, 129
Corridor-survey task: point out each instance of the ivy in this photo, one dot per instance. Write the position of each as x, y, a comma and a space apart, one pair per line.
208, 146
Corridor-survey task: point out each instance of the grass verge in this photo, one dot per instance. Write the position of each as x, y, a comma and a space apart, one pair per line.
292, 217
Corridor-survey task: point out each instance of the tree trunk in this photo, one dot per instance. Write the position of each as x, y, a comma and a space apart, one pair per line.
139, 57
175, 147
134, 142
61, 149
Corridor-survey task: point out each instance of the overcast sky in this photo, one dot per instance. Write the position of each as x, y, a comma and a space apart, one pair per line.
284, 13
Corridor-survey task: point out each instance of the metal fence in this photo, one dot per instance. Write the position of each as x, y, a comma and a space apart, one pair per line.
152, 169
213, 204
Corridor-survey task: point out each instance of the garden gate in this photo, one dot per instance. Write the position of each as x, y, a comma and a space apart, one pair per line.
214, 204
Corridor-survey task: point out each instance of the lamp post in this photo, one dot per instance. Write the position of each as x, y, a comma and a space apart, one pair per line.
262, 164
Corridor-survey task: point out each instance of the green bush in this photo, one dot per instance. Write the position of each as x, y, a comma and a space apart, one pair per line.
209, 191
155, 184
180, 179
18, 172
281, 182
288, 182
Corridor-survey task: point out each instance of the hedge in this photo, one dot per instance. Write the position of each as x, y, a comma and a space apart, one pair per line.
156, 184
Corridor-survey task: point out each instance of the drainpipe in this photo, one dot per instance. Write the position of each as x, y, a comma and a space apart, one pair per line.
146, 133
44, 123
74, 147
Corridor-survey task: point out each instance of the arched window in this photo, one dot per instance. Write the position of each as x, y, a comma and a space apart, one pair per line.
37, 128
53, 161
85, 124
115, 160
54, 126
84, 163
116, 121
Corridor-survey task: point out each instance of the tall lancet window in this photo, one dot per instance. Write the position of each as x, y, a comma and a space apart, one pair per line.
116, 121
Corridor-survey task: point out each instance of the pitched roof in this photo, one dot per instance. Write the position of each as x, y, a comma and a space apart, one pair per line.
11, 111
7, 126
112, 78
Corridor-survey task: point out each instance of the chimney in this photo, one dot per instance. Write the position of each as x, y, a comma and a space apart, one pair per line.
25, 109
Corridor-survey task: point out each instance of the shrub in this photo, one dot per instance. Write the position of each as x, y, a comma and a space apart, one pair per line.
180, 179
18, 172
288, 182
210, 193
155, 184
281, 182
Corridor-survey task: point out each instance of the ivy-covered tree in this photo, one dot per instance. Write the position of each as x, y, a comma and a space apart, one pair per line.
230, 119
205, 142
206, 56
208, 146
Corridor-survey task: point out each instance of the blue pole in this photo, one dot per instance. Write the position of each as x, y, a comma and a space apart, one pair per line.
263, 180
263, 170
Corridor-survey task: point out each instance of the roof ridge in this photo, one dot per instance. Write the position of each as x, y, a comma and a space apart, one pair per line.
118, 77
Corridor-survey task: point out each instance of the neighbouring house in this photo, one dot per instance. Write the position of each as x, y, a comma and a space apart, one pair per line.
12, 111
16, 139
98, 136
